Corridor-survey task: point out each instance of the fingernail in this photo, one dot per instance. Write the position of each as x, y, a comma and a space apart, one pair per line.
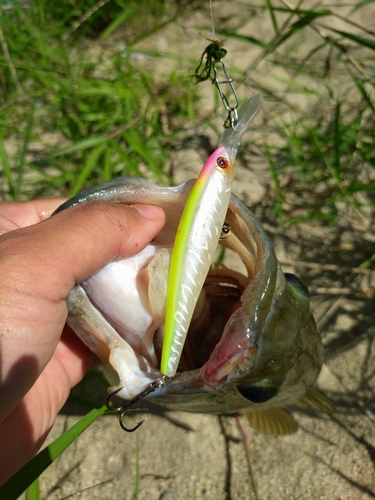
149, 211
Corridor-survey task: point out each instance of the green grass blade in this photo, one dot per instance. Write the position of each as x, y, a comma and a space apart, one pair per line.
155, 29
87, 169
79, 146
136, 489
368, 263
300, 24
361, 87
117, 22
18, 483
243, 38
284, 35
361, 4
33, 492
140, 147
6, 167
131, 164
360, 40
271, 12
337, 140
278, 208
108, 165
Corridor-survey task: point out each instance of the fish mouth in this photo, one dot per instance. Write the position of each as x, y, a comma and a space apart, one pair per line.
252, 338
221, 342
217, 345
222, 338
221, 294
208, 356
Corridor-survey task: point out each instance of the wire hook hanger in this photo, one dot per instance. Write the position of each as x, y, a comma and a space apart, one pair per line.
232, 120
206, 70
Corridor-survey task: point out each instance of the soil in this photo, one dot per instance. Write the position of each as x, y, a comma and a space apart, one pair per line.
182, 456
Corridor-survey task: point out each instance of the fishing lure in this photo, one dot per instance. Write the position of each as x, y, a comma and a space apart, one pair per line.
197, 237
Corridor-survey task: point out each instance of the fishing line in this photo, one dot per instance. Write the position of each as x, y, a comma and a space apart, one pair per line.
212, 20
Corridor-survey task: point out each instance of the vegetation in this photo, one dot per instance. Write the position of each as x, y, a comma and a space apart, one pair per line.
83, 99
85, 96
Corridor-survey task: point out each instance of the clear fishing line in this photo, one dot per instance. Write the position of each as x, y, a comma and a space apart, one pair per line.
212, 20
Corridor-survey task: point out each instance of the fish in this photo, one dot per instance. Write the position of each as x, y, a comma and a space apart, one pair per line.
252, 346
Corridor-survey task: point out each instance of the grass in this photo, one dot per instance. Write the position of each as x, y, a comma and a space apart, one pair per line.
27, 477
103, 114
85, 96
79, 106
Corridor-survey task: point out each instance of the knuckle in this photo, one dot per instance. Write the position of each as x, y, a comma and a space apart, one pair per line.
107, 217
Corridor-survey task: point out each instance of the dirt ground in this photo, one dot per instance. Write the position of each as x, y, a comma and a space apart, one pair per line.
186, 456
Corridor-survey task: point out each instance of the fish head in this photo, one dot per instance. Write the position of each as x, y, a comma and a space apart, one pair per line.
252, 342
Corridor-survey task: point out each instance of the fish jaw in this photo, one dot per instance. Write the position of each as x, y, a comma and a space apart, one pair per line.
237, 348
272, 367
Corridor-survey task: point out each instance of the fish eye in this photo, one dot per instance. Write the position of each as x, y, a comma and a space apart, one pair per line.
298, 285
257, 392
222, 162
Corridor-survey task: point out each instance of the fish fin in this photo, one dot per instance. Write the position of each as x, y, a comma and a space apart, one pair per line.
272, 421
317, 401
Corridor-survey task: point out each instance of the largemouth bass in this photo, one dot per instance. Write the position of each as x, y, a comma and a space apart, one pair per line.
252, 344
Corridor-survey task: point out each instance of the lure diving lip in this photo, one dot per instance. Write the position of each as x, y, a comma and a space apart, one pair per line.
198, 235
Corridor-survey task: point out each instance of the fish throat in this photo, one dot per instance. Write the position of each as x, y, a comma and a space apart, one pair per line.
220, 297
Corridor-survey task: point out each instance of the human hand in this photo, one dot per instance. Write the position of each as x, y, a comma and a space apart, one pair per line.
41, 259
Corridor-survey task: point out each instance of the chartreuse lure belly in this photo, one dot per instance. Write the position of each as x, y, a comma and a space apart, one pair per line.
198, 235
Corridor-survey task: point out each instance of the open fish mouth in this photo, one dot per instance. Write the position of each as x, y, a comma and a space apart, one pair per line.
252, 339
222, 294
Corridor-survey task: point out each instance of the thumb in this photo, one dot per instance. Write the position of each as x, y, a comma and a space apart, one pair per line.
51, 256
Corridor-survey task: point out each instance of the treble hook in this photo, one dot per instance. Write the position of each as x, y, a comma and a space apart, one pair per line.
122, 409
232, 119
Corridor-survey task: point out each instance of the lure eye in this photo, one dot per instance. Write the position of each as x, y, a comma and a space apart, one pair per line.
222, 162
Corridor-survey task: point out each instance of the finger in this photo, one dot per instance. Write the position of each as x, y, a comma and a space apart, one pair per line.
76, 243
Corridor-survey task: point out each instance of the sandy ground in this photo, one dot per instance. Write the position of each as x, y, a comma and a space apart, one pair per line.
186, 456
